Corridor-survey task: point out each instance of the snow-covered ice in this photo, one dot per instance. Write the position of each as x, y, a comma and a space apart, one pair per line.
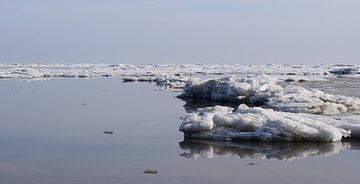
345, 70
248, 89
264, 90
146, 72
221, 123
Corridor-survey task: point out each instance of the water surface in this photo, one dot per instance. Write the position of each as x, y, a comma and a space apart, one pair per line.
52, 132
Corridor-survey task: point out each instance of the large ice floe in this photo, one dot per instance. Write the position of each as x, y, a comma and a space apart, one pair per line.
263, 90
268, 111
221, 123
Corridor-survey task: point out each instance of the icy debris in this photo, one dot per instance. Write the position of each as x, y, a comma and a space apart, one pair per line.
171, 81
249, 89
289, 80
252, 164
138, 71
202, 120
195, 148
108, 132
264, 91
299, 99
350, 122
165, 81
349, 70
151, 171
220, 123
137, 79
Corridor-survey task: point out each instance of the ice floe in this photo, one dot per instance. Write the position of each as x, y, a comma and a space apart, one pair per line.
259, 124
269, 111
350, 122
345, 70
265, 91
249, 89
299, 99
163, 80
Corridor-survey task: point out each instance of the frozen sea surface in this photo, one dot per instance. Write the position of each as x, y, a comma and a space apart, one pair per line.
172, 74
52, 132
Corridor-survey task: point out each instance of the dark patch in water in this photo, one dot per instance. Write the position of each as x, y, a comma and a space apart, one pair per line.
108, 132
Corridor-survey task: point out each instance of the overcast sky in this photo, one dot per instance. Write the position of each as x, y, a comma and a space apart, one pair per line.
179, 31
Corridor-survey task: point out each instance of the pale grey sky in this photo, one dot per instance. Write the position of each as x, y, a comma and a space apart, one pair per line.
179, 31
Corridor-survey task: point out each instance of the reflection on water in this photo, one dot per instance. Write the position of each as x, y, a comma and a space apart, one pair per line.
195, 148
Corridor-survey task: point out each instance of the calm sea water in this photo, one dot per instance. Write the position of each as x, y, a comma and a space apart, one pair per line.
52, 132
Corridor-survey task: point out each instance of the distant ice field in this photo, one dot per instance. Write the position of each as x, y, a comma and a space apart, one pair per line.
175, 71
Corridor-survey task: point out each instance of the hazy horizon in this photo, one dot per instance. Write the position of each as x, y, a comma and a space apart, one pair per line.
186, 31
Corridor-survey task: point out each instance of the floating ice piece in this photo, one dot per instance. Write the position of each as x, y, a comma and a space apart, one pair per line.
151, 171
264, 91
298, 99
350, 122
163, 80
285, 151
249, 89
202, 120
171, 81
220, 123
345, 70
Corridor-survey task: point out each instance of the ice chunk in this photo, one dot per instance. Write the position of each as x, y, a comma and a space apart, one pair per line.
350, 122
299, 99
165, 81
255, 89
257, 124
264, 91
202, 119
345, 70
